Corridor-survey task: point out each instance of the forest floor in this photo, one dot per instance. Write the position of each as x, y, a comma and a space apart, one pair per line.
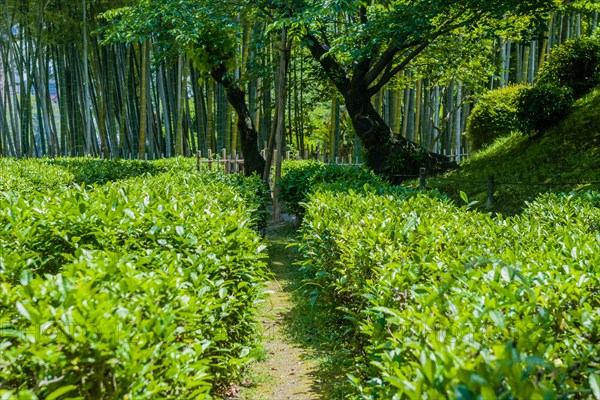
298, 360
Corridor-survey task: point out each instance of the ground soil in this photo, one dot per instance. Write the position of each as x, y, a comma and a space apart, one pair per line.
288, 371
305, 353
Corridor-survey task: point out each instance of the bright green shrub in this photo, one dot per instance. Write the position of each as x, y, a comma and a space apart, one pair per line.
542, 106
448, 303
123, 215
31, 175
253, 190
574, 64
181, 164
300, 178
142, 288
89, 171
494, 116
34, 174
156, 324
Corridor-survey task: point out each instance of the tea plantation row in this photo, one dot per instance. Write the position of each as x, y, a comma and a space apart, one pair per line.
31, 175
141, 288
444, 302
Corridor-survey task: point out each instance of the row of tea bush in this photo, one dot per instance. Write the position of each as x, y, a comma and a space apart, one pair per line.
444, 302
141, 288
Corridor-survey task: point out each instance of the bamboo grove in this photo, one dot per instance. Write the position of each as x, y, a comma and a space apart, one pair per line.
64, 92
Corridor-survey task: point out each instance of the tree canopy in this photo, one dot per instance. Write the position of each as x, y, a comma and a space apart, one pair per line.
381, 71
362, 45
206, 32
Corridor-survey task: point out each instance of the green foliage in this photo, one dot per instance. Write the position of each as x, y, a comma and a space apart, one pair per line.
574, 64
31, 175
36, 174
383, 22
565, 159
542, 106
253, 191
203, 29
89, 171
494, 116
449, 303
142, 288
300, 178
181, 164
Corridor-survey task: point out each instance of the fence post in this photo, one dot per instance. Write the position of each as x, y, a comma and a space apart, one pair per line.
209, 159
490, 192
225, 160
198, 157
273, 164
422, 178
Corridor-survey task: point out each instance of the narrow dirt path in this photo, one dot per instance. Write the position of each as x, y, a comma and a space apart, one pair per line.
288, 371
305, 352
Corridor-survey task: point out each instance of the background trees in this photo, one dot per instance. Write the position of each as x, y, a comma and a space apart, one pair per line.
147, 100
362, 46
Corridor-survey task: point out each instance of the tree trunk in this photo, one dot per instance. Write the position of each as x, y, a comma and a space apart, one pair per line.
386, 153
253, 161
143, 102
280, 135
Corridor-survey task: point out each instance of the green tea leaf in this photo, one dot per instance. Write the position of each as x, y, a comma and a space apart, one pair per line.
595, 385
60, 391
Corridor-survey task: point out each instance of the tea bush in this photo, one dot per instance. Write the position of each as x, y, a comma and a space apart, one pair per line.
143, 288
542, 106
181, 164
34, 174
300, 178
574, 64
494, 116
30, 175
449, 303
89, 171
53, 226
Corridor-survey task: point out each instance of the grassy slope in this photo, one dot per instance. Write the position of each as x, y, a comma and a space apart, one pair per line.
568, 153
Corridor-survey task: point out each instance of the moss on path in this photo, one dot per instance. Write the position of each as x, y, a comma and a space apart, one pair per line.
304, 352
287, 371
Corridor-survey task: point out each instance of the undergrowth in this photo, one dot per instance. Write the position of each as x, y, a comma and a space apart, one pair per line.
566, 158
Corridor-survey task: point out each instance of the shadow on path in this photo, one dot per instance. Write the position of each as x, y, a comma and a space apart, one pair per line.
306, 354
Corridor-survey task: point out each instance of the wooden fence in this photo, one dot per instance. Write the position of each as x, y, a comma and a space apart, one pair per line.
456, 156
233, 164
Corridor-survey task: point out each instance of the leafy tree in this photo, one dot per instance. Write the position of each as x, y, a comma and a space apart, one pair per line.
574, 64
206, 31
362, 45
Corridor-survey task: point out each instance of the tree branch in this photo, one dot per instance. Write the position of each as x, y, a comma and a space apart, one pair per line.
384, 64
332, 67
390, 72
363, 15
386, 58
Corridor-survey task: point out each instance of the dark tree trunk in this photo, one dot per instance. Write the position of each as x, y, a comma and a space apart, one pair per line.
387, 153
253, 161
